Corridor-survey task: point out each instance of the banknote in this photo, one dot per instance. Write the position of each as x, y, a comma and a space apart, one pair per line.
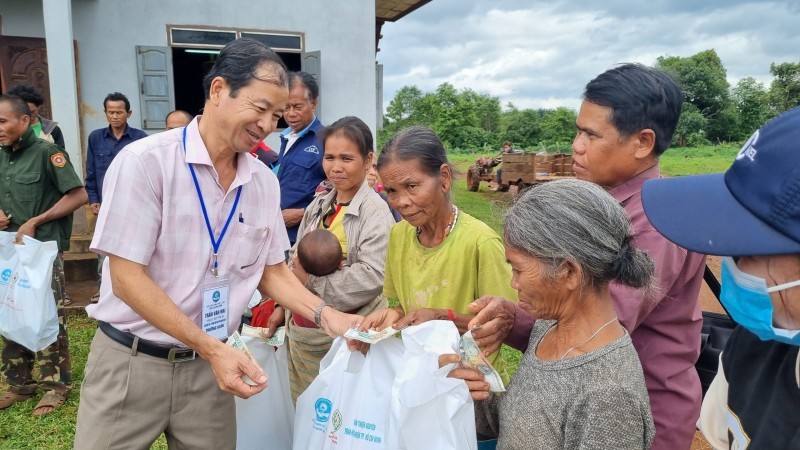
370, 336
235, 341
261, 333
472, 356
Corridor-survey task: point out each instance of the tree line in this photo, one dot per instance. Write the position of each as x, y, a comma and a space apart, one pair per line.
713, 110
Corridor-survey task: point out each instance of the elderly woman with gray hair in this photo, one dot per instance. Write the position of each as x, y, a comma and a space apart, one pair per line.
580, 383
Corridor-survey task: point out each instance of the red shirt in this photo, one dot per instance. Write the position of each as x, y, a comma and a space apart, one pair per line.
665, 330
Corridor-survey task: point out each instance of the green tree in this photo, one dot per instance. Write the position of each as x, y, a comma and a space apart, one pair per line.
691, 127
784, 93
405, 107
750, 98
410, 106
463, 120
486, 107
703, 79
522, 127
558, 127
449, 116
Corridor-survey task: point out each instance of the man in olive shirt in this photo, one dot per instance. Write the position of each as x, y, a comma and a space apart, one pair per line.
39, 191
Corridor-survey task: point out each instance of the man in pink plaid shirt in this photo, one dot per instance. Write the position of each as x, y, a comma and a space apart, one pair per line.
191, 227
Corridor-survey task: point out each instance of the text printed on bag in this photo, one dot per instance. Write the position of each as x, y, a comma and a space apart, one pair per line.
362, 435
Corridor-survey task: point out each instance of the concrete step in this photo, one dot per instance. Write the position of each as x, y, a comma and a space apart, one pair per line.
80, 266
79, 263
79, 243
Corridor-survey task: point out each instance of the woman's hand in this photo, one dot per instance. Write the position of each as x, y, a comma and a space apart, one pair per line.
493, 322
275, 321
336, 323
298, 270
478, 387
376, 320
381, 318
419, 316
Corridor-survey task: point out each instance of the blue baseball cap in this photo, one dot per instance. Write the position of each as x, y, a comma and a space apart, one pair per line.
752, 209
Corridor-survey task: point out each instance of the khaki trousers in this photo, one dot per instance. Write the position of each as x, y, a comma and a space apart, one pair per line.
128, 400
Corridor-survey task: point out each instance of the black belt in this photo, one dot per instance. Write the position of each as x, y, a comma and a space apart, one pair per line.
137, 344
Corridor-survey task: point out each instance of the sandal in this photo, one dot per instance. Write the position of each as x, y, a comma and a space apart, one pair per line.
67, 300
50, 399
10, 398
95, 298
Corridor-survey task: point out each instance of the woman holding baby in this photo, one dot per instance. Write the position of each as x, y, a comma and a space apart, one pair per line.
361, 220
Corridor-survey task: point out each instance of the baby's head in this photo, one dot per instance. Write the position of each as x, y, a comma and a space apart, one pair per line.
320, 253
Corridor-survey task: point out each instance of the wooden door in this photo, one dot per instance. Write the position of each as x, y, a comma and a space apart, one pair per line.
24, 60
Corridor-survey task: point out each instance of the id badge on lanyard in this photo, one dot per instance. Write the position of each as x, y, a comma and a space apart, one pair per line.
214, 316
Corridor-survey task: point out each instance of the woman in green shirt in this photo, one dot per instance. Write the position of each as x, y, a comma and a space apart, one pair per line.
440, 259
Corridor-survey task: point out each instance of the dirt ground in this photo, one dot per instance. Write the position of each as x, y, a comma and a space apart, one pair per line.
708, 302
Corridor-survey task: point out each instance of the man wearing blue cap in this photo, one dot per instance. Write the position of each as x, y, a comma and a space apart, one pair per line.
751, 216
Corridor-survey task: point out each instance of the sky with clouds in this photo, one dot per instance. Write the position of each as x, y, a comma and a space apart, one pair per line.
540, 54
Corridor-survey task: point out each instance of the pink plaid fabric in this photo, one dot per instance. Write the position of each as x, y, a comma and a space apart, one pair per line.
151, 215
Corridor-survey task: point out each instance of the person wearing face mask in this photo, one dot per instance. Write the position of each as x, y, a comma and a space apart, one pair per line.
751, 216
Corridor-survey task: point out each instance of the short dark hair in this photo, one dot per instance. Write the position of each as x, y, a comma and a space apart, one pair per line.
640, 97
307, 80
18, 104
354, 129
319, 252
238, 64
179, 111
117, 97
419, 144
28, 93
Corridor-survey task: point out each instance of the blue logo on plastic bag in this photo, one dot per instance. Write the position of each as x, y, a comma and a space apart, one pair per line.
215, 296
323, 408
6, 275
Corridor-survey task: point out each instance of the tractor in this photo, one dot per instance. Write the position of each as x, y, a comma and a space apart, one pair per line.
527, 169
482, 170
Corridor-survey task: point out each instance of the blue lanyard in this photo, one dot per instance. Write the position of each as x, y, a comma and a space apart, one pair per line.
215, 243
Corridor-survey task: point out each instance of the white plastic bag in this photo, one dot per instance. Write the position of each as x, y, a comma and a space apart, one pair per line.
266, 420
430, 410
347, 406
28, 313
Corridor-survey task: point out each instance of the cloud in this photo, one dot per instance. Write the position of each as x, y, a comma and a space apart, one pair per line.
540, 54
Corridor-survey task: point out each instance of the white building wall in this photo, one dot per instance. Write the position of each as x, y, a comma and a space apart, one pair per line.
108, 31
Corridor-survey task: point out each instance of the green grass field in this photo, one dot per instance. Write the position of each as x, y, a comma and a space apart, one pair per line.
20, 431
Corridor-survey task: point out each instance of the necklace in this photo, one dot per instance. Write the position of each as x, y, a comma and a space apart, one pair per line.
336, 202
590, 337
450, 226
333, 211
